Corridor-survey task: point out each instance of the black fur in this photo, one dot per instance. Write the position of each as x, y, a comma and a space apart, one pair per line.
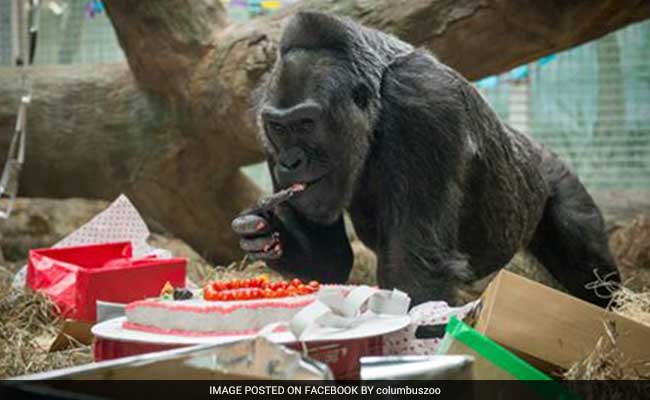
439, 187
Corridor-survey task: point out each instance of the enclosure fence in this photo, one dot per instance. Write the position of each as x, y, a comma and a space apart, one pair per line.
590, 104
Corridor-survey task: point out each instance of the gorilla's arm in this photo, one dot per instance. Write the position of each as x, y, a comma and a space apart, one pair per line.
423, 266
312, 251
291, 244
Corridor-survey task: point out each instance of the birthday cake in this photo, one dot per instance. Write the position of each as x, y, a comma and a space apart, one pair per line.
221, 308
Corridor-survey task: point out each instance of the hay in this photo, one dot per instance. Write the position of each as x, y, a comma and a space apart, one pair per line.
630, 244
241, 270
606, 361
631, 304
28, 322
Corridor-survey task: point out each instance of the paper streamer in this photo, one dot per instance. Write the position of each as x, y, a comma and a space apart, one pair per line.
334, 309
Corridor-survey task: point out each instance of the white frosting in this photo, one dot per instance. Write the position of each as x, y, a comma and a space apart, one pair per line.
201, 316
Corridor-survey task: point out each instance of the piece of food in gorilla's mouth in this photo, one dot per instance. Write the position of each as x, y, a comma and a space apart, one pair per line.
283, 195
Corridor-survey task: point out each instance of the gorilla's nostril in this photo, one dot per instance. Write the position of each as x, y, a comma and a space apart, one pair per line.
294, 164
292, 159
291, 163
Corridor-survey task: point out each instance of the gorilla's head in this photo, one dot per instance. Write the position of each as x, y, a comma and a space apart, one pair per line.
318, 108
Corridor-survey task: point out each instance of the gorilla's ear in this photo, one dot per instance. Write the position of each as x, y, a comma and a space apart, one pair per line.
314, 30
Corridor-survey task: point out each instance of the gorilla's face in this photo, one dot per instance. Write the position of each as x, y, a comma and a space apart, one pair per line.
316, 127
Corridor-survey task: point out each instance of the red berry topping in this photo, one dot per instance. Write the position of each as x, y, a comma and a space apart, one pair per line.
256, 288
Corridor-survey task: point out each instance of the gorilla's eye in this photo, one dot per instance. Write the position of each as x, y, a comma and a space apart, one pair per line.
275, 128
361, 95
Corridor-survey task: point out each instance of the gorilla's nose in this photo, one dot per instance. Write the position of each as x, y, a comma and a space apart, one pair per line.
302, 116
292, 160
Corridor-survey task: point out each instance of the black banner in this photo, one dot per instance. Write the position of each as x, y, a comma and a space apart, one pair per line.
183, 390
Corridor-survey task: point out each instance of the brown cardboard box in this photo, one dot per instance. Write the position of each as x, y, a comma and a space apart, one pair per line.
481, 369
550, 329
71, 329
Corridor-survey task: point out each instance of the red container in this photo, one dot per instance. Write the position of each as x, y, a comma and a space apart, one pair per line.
76, 277
342, 356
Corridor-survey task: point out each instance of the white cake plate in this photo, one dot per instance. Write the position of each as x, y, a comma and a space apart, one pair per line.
372, 325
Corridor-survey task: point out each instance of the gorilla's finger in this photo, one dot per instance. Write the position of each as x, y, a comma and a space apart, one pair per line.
273, 254
260, 243
250, 224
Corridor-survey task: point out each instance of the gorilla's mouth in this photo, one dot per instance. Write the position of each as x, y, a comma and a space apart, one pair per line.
303, 186
314, 181
298, 187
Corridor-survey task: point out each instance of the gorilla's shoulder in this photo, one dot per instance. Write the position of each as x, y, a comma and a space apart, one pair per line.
419, 77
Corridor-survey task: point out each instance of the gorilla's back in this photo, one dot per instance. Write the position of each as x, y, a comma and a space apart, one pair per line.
506, 192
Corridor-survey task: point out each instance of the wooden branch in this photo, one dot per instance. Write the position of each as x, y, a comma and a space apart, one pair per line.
490, 37
485, 37
163, 39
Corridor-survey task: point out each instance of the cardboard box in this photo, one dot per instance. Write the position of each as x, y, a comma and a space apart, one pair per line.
71, 329
550, 329
492, 361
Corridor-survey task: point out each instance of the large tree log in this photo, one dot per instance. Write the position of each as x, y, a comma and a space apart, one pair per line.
172, 131
163, 40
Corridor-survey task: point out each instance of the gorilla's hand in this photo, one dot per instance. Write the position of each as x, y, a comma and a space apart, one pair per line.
292, 245
259, 238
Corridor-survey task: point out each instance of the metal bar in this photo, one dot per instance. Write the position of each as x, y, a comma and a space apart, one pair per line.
25, 18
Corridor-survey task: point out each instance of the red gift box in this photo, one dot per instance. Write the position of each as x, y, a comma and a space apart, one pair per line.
76, 277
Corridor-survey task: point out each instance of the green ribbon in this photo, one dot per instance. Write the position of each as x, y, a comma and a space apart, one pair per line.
507, 361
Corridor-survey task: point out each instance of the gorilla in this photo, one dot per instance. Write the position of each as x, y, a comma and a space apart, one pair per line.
435, 183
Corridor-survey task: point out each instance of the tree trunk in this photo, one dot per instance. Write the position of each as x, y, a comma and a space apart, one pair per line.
172, 128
